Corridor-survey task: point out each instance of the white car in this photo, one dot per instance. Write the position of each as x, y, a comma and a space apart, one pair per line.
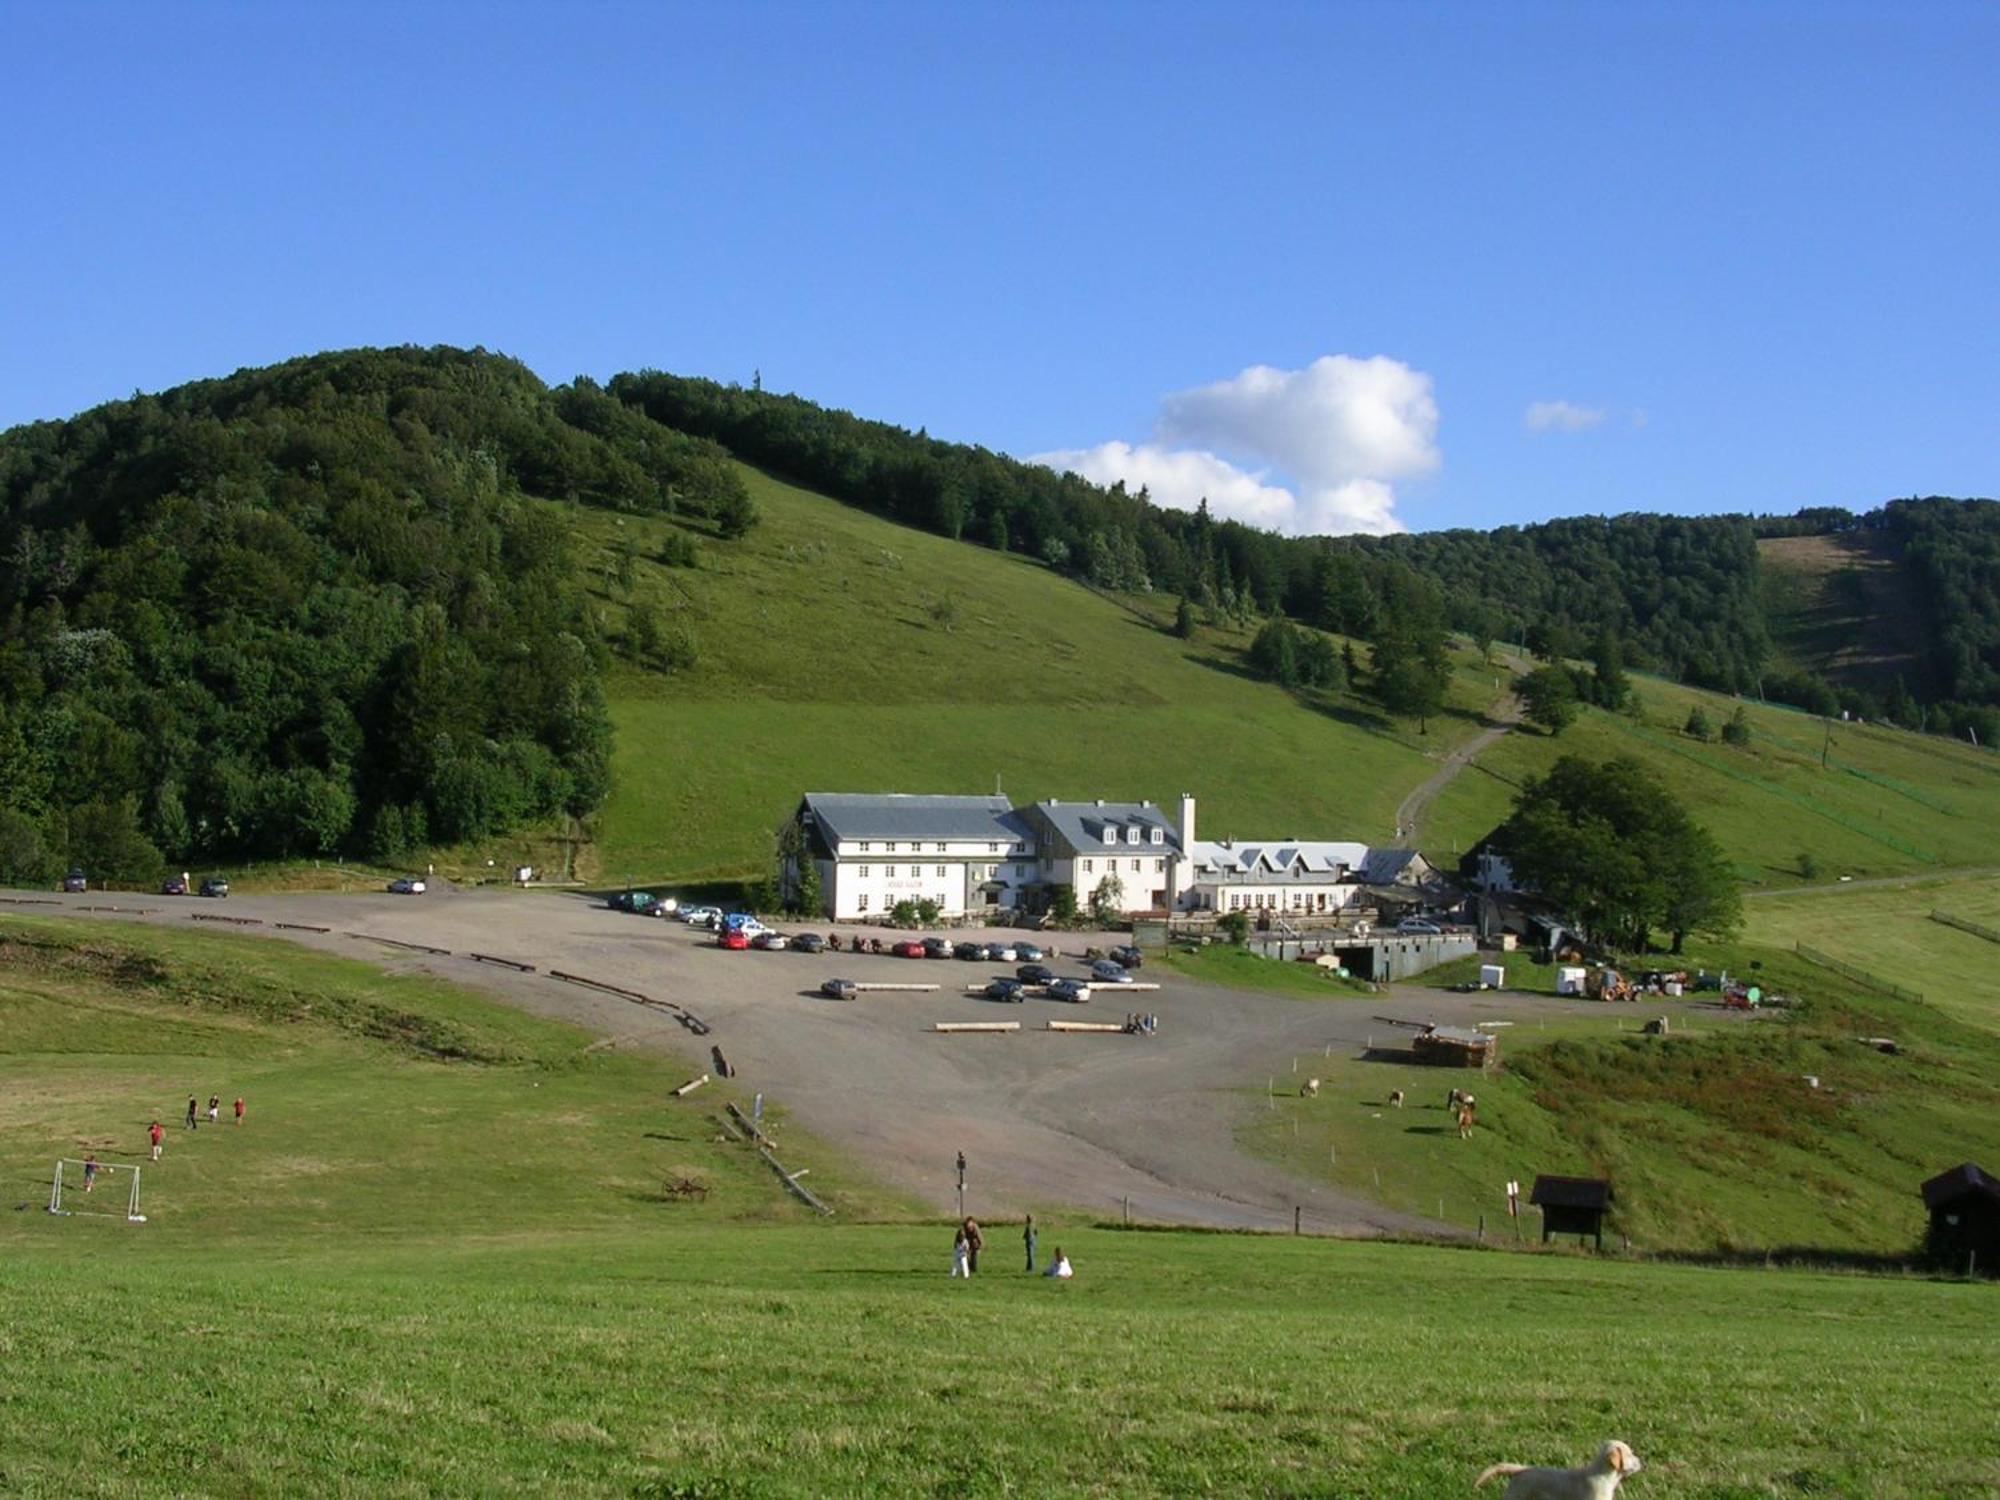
770, 942
409, 887
701, 916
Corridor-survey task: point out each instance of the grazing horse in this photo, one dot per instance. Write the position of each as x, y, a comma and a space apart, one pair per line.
1309, 1089
1465, 1122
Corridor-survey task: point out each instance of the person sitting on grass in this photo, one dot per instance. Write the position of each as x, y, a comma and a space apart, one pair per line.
1059, 1266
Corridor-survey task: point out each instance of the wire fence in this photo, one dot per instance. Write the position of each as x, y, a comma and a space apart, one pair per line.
1858, 975
1962, 925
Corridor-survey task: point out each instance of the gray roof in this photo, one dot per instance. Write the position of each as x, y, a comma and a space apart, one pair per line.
1093, 826
902, 815
1291, 863
1384, 865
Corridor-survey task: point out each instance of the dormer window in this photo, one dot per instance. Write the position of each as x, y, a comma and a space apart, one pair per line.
1157, 835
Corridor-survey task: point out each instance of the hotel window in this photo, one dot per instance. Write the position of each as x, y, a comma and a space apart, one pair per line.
888, 848
863, 846
992, 848
862, 871
1157, 836
1090, 867
939, 849
940, 870
1135, 867
1159, 865
863, 906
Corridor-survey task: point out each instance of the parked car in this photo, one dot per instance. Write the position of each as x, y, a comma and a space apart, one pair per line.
743, 922
808, 942
76, 881
1104, 971
909, 948
629, 901
1034, 974
1418, 925
215, 886
662, 907
701, 916
1029, 953
1071, 990
936, 948
1129, 956
769, 941
1010, 990
732, 937
174, 885
971, 952
839, 989
409, 885
1002, 953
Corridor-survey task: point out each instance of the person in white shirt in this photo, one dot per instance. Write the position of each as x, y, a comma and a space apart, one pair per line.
1059, 1266
961, 1252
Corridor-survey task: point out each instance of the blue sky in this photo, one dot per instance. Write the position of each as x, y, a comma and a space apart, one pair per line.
1732, 256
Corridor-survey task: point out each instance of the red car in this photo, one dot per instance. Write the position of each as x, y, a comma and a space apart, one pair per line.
908, 948
731, 938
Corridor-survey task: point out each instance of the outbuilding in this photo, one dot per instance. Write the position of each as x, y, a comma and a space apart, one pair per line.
1964, 1206
1572, 1205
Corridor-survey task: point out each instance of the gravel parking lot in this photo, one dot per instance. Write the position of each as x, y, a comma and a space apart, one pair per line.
1046, 1120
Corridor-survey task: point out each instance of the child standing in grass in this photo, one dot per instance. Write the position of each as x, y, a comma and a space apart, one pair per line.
239, 1109
960, 1253
155, 1135
214, 1108
89, 1171
1028, 1239
193, 1105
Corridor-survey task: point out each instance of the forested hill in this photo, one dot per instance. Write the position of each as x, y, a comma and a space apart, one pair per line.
1679, 595
305, 609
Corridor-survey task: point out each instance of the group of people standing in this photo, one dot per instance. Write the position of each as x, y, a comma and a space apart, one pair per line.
157, 1136
968, 1242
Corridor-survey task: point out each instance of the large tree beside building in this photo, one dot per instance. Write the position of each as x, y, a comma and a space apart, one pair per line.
1609, 844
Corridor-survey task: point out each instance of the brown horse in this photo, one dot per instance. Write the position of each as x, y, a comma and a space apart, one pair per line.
1465, 1122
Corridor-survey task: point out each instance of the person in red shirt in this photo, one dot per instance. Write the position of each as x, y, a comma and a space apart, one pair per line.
156, 1135
239, 1109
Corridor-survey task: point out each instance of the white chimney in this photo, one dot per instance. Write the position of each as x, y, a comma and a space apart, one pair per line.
1187, 822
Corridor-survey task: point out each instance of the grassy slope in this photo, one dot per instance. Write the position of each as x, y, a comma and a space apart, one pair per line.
1711, 1136
411, 1276
1888, 802
1838, 606
379, 1105
1888, 932
822, 667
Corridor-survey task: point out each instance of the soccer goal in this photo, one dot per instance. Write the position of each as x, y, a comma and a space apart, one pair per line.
77, 1191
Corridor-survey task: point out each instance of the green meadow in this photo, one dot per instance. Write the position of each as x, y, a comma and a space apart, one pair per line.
437, 1260
833, 650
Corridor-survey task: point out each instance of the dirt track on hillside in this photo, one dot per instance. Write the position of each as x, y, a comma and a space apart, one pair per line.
1046, 1120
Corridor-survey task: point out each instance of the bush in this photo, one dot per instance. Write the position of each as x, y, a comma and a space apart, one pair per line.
1236, 925
1698, 726
1737, 730
678, 550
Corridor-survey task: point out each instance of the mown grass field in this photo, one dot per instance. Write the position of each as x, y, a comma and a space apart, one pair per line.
837, 651
1886, 803
1888, 932
434, 1262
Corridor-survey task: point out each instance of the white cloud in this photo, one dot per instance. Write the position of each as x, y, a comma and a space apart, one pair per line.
1179, 479
1340, 430
1561, 416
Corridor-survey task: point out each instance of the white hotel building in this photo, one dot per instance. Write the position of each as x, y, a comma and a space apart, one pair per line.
973, 855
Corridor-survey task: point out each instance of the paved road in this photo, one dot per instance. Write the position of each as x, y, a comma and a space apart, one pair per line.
1047, 1120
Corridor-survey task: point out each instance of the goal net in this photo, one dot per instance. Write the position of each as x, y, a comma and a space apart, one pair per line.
105, 1189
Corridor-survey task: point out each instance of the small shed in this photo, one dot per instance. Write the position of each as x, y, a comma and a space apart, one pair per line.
1454, 1047
1572, 1205
1964, 1206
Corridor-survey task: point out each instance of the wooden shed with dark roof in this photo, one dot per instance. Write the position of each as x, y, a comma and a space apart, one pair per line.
1964, 1206
1572, 1205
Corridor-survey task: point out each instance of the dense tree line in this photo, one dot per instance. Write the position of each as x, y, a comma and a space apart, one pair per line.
1679, 594
308, 609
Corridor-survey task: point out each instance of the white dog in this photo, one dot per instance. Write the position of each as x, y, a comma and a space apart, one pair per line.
1597, 1481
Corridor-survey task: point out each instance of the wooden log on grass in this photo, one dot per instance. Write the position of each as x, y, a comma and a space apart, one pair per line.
690, 1086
